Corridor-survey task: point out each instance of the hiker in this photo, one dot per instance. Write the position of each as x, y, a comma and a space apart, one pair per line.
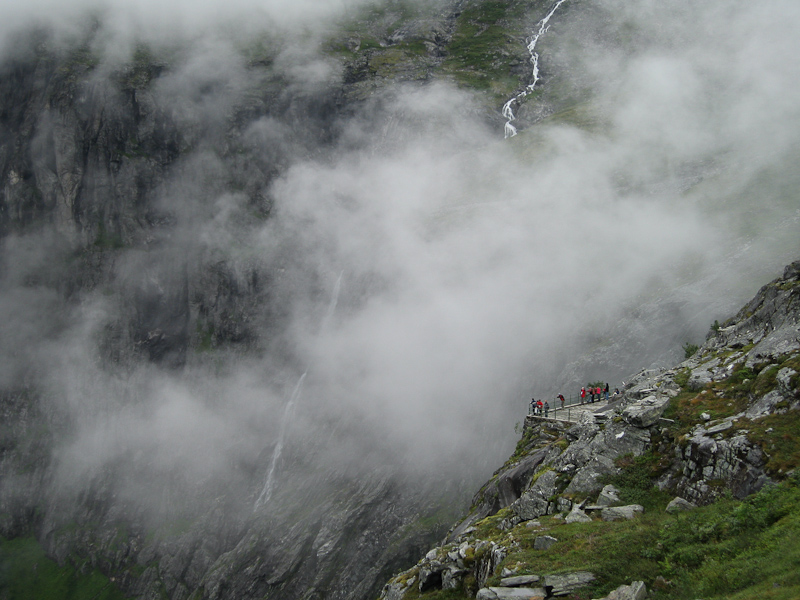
533, 406
546, 407
606, 392
616, 391
561, 397
599, 392
540, 407
583, 395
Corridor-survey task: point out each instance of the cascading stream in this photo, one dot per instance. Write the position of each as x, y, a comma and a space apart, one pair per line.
508, 111
266, 493
269, 483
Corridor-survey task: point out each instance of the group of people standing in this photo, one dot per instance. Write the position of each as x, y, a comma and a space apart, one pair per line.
595, 393
539, 408
589, 394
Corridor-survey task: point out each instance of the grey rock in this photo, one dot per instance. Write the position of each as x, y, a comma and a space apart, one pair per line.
519, 580
430, 576
703, 375
784, 379
608, 495
533, 524
765, 405
503, 593
393, 591
720, 427
635, 591
621, 513
452, 578
587, 479
563, 504
778, 343
536, 500
678, 505
544, 542
576, 515
645, 412
562, 585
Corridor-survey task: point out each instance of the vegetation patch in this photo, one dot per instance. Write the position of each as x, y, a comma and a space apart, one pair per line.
636, 477
777, 436
478, 53
25, 573
739, 550
718, 400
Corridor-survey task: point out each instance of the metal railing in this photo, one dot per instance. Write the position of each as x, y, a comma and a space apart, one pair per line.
565, 412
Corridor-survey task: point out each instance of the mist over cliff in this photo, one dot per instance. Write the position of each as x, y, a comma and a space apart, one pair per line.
223, 261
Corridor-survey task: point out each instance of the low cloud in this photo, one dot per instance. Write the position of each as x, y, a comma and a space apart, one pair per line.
431, 276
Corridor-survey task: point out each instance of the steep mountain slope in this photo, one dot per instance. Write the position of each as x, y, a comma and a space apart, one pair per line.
272, 293
719, 431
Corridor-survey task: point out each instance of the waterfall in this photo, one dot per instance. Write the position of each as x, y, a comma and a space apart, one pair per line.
332, 304
508, 110
266, 493
269, 483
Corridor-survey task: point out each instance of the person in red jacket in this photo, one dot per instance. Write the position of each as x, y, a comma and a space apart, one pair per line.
583, 395
561, 397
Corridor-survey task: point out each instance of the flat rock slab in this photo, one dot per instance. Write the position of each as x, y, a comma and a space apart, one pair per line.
519, 580
502, 593
621, 513
645, 412
724, 426
562, 585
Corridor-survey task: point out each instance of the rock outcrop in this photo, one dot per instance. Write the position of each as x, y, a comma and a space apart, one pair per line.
752, 358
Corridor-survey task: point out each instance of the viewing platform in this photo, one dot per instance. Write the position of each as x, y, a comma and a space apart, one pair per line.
573, 411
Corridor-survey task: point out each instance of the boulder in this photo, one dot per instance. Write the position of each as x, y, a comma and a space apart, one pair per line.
608, 495
503, 593
766, 405
778, 343
519, 580
544, 542
678, 504
563, 585
634, 591
536, 500
621, 513
720, 427
784, 379
645, 412
452, 577
576, 515
587, 479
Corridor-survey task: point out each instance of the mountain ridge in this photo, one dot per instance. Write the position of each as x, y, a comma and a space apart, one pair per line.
703, 431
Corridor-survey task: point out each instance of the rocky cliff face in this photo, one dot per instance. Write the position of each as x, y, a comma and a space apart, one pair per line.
161, 308
708, 427
123, 184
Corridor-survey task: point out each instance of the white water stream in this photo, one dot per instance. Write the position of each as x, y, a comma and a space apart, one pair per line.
266, 493
508, 110
288, 411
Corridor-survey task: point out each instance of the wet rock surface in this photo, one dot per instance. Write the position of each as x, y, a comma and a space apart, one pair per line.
716, 456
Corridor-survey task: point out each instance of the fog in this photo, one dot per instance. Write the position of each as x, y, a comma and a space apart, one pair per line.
432, 276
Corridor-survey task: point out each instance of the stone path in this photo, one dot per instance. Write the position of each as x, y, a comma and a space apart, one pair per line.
574, 412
